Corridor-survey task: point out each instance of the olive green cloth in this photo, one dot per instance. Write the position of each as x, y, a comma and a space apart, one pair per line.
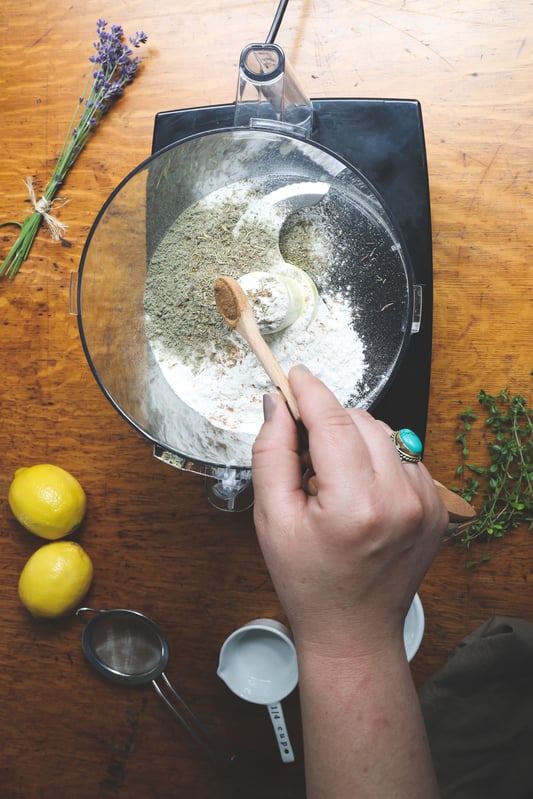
478, 710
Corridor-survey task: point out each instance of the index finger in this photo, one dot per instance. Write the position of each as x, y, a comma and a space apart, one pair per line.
276, 471
335, 442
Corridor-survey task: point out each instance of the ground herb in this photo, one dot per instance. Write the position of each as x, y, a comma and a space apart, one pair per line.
200, 246
505, 485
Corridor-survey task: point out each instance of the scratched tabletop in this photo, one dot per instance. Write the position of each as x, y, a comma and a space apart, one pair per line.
156, 544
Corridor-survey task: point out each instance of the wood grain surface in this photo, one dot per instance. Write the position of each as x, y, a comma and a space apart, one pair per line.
156, 544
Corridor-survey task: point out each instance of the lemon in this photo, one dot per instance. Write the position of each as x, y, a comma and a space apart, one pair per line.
55, 579
47, 500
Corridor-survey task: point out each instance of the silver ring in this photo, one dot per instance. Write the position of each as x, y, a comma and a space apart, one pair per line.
408, 445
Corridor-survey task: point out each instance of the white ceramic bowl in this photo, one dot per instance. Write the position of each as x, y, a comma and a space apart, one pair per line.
413, 629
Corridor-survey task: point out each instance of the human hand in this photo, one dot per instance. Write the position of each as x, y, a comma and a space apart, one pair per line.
347, 562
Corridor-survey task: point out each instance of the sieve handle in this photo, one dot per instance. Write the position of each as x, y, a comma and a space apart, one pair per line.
194, 727
80, 611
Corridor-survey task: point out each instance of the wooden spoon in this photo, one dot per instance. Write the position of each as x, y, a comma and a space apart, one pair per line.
235, 309
459, 510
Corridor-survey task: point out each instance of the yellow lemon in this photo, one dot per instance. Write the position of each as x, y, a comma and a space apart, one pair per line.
55, 579
47, 500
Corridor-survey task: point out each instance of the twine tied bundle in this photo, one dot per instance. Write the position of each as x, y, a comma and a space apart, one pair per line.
43, 207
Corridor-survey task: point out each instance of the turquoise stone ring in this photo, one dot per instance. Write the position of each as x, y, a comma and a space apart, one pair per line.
408, 445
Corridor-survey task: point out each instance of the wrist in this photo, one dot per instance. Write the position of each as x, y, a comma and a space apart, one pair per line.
363, 730
351, 643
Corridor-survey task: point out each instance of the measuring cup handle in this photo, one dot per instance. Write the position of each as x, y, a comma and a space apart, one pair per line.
280, 728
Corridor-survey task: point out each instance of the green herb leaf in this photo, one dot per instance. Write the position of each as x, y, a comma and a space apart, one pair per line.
506, 480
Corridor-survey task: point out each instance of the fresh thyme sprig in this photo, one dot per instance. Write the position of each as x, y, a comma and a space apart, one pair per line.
114, 68
505, 485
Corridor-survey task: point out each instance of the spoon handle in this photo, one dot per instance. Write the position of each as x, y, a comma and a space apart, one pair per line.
234, 307
247, 327
459, 510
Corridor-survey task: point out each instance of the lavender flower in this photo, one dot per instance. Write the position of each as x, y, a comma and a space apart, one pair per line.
115, 67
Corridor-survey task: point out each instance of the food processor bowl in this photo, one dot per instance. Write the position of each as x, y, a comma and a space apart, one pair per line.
368, 266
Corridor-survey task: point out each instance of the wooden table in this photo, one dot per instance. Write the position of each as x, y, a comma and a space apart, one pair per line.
156, 544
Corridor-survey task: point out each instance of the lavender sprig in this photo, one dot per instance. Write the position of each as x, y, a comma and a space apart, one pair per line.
115, 67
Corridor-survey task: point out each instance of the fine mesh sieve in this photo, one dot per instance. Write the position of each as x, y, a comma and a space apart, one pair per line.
127, 647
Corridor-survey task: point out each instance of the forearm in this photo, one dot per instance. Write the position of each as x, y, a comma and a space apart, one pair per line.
364, 736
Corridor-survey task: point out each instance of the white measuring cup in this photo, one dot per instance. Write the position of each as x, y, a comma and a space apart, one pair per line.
258, 663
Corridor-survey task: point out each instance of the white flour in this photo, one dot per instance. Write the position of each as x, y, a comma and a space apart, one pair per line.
229, 392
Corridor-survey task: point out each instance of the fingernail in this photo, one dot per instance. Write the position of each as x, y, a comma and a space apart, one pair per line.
302, 368
269, 403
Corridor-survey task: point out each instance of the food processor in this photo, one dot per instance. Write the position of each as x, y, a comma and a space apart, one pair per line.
374, 215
